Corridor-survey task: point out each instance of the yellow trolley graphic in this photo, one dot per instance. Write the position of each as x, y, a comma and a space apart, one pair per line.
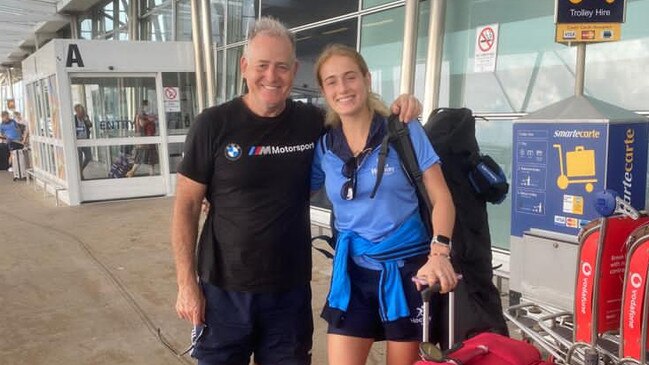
579, 168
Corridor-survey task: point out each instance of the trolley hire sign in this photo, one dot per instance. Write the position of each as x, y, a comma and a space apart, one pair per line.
587, 21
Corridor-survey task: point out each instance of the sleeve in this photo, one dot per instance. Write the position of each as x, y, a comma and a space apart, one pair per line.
317, 173
426, 155
198, 163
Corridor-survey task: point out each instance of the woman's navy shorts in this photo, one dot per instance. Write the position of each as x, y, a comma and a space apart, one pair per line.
363, 319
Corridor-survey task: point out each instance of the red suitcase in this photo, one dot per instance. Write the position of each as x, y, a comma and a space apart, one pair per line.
483, 349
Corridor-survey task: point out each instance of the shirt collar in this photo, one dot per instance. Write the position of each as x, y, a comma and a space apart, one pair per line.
338, 144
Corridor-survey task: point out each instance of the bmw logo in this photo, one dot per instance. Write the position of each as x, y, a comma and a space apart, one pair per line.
232, 151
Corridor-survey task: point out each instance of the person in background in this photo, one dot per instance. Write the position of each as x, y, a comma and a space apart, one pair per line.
248, 291
24, 127
82, 125
382, 241
10, 133
147, 154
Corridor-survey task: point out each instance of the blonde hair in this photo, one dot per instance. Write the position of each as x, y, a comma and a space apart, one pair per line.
374, 102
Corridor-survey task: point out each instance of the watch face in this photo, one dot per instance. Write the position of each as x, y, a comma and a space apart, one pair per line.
442, 239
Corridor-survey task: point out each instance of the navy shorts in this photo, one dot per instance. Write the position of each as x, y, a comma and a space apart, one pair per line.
363, 319
276, 327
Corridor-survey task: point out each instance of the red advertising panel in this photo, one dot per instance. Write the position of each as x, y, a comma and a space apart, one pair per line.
634, 301
584, 287
611, 271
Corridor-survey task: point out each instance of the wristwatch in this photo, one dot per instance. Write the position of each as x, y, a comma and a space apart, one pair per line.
441, 239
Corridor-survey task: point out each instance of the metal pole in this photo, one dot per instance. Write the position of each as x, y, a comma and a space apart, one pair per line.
198, 55
133, 20
434, 56
174, 20
409, 47
10, 82
208, 53
74, 26
580, 69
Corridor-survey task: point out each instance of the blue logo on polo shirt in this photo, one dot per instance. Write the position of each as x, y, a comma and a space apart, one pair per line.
232, 151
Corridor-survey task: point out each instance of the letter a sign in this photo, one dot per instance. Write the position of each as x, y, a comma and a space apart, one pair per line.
74, 56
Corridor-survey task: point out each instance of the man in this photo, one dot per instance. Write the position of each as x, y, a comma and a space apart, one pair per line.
82, 125
251, 159
24, 127
10, 133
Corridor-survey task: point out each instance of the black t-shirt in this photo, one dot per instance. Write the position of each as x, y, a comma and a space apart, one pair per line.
257, 171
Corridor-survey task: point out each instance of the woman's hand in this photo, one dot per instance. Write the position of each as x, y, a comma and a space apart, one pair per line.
438, 269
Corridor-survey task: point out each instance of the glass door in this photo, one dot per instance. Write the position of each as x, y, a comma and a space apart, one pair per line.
118, 129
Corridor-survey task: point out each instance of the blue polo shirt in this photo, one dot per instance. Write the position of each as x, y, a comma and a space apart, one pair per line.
395, 200
11, 130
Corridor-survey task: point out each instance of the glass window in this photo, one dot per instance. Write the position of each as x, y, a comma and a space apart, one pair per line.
495, 140
175, 156
158, 24
241, 15
55, 116
85, 29
294, 13
107, 18
382, 44
371, 3
532, 71
234, 83
60, 162
116, 162
616, 72
220, 77
115, 105
179, 105
184, 24
309, 44
30, 109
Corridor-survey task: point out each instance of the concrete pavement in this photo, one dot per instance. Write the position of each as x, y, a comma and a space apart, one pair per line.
93, 284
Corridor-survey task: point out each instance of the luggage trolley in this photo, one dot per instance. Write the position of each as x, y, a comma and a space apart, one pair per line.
589, 333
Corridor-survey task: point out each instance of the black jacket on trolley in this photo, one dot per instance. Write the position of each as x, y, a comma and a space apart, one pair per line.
478, 306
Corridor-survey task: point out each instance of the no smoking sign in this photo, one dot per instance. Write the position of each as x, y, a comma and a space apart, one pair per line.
486, 39
486, 46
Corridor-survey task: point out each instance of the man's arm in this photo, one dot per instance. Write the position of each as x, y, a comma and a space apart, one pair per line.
190, 303
407, 106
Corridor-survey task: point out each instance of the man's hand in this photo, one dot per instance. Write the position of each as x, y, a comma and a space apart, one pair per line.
190, 304
407, 106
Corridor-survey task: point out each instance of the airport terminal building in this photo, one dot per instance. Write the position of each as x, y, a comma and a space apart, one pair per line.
113, 55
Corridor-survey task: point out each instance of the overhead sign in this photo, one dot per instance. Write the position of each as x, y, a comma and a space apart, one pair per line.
171, 99
587, 21
486, 48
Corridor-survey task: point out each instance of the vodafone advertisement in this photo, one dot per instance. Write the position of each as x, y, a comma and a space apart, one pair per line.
598, 293
634, 301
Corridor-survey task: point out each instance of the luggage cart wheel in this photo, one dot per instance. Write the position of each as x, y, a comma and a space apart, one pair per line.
589, 187
563, 182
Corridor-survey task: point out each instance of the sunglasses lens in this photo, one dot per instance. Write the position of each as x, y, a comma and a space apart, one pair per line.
347, 191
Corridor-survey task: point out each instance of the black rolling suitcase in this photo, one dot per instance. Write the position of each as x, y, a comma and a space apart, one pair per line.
4, 156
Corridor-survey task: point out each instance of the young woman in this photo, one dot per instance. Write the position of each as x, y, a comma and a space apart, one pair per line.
382, 242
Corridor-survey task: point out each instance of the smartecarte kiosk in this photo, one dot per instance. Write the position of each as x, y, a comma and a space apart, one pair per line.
108, 119
563, 155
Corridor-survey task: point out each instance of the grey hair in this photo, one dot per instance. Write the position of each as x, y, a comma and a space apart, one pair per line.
271, 27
